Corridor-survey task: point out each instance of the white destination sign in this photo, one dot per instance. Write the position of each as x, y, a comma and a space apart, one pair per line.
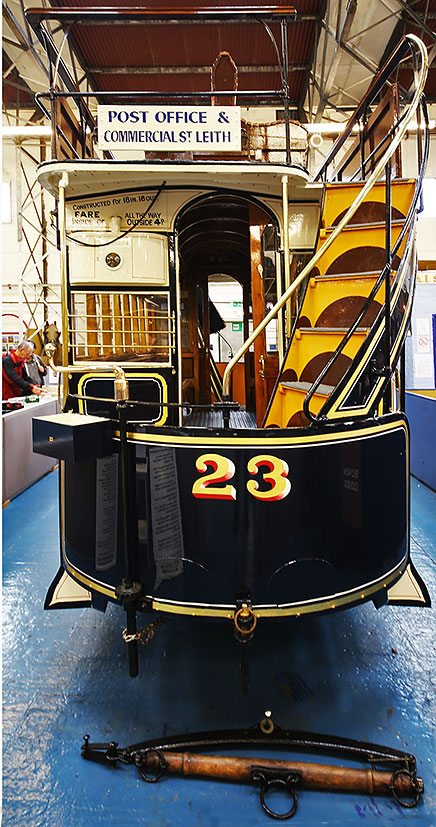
173, 128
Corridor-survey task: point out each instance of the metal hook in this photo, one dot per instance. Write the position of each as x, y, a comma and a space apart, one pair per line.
141, 763
416, 783
266, 784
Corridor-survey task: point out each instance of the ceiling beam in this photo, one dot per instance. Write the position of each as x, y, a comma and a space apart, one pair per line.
329, 82
21, 36
185, 70
417, 18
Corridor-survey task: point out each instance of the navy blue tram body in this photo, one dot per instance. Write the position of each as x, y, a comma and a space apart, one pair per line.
301, 523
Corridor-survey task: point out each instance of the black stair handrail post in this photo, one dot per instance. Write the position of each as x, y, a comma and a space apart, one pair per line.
127, 591
388, 236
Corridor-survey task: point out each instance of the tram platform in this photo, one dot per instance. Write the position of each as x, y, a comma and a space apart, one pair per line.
362, 674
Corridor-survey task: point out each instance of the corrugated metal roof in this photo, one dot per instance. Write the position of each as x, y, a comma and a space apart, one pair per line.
190, 50
178, 58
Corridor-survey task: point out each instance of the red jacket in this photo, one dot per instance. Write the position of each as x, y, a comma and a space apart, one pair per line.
14, 382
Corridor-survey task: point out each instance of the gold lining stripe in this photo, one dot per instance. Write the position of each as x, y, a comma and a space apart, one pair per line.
286, 610
94, 585
195, 610
108, 374
62, 506
240, 442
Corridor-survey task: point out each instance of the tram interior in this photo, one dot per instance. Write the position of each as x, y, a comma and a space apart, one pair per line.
228, 241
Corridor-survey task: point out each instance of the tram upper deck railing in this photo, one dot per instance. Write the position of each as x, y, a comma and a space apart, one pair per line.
74, 131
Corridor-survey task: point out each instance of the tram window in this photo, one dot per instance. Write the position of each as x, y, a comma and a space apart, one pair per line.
118, 327
226, 315
270, 283
184, 319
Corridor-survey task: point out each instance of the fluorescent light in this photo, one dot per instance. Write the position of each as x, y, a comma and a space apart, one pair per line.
336, 128
26, 131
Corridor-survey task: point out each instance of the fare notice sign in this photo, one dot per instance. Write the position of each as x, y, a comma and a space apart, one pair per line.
170, 128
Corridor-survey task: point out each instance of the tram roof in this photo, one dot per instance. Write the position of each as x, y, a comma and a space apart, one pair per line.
91, 177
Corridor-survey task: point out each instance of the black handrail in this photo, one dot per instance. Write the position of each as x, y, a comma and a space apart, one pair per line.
373, 91
225, 14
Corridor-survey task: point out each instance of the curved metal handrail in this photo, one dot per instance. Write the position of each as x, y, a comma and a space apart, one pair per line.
121, 385
346, 218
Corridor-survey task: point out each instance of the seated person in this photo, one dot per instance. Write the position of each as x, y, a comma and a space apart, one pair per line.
15, 380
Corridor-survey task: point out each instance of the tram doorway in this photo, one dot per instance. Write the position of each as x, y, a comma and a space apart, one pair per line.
223, 241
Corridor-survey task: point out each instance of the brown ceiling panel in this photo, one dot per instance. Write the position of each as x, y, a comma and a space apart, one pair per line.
137, 45
186, 83
192, 48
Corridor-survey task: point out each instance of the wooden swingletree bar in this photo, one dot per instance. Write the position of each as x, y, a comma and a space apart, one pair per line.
174, 756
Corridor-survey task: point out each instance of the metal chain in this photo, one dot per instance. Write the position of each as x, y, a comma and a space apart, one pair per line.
147, 634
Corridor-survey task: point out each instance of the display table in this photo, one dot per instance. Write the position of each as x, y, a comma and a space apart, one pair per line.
421, 413
21, 467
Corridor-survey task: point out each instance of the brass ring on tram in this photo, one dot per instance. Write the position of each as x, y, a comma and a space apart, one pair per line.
245, 611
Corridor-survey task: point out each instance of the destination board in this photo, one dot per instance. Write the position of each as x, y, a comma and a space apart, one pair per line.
170, 128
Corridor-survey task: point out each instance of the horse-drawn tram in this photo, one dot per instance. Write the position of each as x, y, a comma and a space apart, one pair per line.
275, 483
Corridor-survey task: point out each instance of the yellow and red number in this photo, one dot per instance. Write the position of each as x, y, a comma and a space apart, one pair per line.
223, 469
277, 476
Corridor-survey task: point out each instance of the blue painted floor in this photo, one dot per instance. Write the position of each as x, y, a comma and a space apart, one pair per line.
360, 674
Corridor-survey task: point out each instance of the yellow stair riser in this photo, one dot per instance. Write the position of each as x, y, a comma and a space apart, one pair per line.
292, 401
339, 197
352, 240
308, 345
322, 292
287, 402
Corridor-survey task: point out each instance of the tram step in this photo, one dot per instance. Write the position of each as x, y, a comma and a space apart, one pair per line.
304, 387
322, 330
366, 274
369, 225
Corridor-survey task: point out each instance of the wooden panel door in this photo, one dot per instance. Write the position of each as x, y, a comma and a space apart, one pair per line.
265, 364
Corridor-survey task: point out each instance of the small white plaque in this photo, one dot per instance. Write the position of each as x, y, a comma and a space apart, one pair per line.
165, 514
106, 512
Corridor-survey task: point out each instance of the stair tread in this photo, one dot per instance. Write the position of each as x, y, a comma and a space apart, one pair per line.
323, 390
331, 329
398, 222
365, 274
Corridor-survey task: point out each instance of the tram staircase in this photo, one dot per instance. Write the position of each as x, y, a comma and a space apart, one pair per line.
356, 293
346, 286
